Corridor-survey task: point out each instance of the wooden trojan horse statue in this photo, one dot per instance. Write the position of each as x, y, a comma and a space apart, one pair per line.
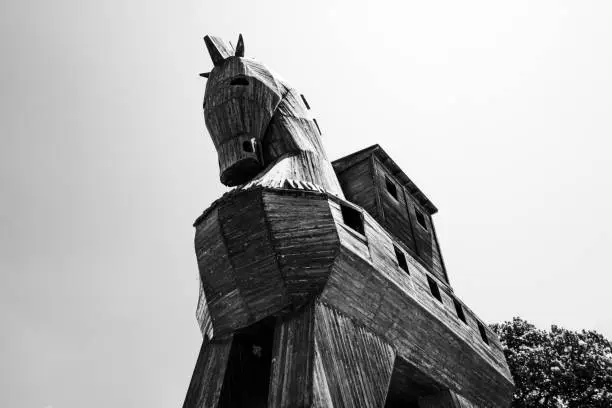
322, 285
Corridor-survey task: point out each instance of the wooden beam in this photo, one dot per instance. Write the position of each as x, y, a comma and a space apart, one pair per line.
357, 363
207, 380
292, 374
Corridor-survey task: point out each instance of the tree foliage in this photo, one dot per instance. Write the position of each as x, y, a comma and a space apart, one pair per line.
557, 368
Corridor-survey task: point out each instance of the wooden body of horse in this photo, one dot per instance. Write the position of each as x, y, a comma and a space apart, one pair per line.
297, 307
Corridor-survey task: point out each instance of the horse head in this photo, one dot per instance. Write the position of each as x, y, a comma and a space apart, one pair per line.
259, 124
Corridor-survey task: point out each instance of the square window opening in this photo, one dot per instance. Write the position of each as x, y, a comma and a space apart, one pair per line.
483, 333
433, 287
401, 259
420, 218
459, 310
352, 218
391, 188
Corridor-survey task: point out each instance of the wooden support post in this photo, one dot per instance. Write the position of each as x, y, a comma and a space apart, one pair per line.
323, 359
357, 363
208, 374
297, 377
445, 399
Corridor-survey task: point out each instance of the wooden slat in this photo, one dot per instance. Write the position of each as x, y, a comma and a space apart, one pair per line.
226, 308
292, 376
207, 379
305, 241
358, 186
251, 254
357, 363
418, 327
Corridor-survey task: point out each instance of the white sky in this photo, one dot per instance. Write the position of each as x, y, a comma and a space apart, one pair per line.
499, 111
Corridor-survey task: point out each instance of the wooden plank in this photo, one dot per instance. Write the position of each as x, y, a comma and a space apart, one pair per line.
226, 308
207, 379
358, 186
251, 254
356, 362
421, 328
305, 241
292, 378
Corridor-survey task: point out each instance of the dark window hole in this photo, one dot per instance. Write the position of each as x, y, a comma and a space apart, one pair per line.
391, 188
247, 146
352, 218
459, 310
483, 333
420, 218
239, 81
433, 287
318, 128
401, 259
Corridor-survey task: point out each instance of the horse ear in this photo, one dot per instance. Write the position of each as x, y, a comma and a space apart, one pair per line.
218, 49
240, 46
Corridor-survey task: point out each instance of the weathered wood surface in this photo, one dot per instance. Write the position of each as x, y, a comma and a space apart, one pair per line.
357, 363
260, 125
425, 332
207, 379
295, 382
260, 252
279, 258
397, 214
305, 241
323, 359
306, 285
357, 183
226, 308
343, 163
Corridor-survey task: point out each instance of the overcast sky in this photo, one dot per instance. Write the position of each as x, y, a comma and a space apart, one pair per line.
499, 111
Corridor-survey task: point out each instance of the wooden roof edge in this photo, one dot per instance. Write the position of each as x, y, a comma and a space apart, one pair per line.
345, 162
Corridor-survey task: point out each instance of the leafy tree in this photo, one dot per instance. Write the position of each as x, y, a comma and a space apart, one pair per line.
557, 369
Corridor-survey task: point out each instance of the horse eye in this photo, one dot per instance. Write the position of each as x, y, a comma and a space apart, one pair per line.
239, 81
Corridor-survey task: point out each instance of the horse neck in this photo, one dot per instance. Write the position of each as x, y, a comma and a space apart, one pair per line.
292, 147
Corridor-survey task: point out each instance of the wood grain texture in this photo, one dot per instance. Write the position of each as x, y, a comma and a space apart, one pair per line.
310, 300
293, 363
261, 251
207, 379
357, 363
365, 184
358, 186
323, 359
348, 161
400, 308
260, 125
226, 309
252, 255
289, 246
305, 241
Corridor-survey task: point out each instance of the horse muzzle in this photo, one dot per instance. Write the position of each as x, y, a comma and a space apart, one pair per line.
240, 159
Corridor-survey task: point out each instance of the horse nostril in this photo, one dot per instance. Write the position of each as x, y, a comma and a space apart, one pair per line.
247, 146
239, 81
